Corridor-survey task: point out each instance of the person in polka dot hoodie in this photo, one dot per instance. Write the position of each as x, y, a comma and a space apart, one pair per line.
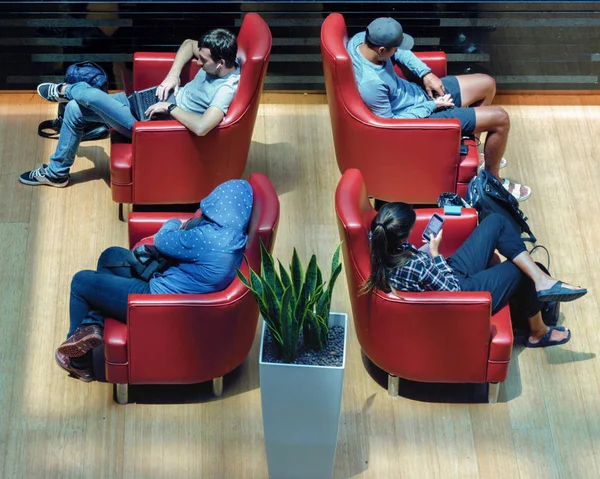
206, 251
210, 252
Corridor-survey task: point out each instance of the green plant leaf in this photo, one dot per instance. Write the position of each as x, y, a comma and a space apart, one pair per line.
267, 271
296, 273
306, 299
274, 307
285, 278
288, 327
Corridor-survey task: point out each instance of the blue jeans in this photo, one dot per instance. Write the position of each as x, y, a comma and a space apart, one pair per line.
505, 281
87, 104
104, 292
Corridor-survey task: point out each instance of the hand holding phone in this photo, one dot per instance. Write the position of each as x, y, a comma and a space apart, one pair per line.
433, 227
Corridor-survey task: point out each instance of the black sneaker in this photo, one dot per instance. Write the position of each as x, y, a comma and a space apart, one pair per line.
39, 177
49, 91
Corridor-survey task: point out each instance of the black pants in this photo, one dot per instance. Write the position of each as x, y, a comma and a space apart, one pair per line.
504, 281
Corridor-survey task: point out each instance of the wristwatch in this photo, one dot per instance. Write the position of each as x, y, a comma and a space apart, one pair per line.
171, 107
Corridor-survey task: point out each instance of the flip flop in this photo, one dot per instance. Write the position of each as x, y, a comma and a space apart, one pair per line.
545, 340
516, 189
561, 294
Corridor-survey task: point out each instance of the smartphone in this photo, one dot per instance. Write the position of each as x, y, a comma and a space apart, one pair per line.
433, 227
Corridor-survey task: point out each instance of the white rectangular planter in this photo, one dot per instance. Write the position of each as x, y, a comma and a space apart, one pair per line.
301, 408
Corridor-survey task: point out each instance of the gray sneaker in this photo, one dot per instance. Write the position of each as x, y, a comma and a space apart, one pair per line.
50, 92
39, 177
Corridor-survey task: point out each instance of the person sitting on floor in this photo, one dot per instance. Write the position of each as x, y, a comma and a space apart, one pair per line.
397, 266
205, 252
466, 97
200, 105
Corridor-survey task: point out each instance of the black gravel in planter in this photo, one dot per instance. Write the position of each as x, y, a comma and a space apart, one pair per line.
332, 355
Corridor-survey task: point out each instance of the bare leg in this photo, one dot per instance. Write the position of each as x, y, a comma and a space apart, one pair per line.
542, 281
477, 89
539, 329
496, 122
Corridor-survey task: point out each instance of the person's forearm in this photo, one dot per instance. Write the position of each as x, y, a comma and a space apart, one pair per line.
198, 124
183, 56
412, 62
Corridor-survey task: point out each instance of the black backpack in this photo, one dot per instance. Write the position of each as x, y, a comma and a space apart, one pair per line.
487, 195
93, 74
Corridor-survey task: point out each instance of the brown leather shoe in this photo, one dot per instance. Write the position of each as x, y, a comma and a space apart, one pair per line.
83, 340
64, 362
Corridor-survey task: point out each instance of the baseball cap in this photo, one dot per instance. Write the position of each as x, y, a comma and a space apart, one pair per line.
387, 32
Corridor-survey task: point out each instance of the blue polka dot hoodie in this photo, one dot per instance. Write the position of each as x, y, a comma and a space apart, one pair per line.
208, 253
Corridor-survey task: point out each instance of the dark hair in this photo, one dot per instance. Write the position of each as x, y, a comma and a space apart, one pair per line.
222, 45
389, 230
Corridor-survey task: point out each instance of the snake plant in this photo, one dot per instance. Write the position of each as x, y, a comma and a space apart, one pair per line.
293, 301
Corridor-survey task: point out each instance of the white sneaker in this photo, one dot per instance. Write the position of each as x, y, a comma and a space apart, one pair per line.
482, 163
50, 92
39, 177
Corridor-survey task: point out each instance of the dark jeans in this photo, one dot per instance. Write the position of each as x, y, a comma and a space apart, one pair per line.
104, 292
504, 281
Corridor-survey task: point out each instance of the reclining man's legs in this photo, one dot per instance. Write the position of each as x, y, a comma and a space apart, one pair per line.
85, 104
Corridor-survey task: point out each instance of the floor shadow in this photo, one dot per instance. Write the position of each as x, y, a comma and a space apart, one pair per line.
358, 466
238, 381
280, 162
430, 392
101, 171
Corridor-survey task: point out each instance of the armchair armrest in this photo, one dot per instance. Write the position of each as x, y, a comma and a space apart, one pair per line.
142, 225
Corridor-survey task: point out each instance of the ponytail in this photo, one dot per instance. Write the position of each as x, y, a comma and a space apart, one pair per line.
389, 230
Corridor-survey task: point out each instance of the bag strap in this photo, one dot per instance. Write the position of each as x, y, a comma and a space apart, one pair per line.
49, 128
545, 249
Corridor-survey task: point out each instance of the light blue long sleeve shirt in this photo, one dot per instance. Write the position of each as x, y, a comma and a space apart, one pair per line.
385, 93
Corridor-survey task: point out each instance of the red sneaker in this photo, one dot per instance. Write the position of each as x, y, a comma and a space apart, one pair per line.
83, 340
64, 362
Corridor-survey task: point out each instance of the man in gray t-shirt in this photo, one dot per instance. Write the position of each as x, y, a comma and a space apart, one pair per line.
200, 105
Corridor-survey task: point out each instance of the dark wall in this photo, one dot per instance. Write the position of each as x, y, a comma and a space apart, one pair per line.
525, 44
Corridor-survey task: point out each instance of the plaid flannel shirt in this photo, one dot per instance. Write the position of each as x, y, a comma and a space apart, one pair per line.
423, 273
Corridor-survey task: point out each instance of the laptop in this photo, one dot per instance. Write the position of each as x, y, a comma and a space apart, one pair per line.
140, 101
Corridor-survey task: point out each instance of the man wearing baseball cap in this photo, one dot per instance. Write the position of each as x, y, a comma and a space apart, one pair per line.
465, 97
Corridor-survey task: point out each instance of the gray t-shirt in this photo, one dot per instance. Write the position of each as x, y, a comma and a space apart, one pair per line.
205, 91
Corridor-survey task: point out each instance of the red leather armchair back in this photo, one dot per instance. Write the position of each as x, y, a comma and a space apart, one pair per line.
181, 339
411, 160
431, 336
167, 164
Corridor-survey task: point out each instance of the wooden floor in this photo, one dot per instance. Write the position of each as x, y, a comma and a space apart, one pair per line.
546, 424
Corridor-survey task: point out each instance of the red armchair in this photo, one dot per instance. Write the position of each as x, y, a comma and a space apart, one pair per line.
410, 160
165, 163
189, 338
431, 336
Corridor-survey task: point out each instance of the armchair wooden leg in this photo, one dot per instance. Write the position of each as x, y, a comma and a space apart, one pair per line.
122, 393
493, 390
393, 385
217, 386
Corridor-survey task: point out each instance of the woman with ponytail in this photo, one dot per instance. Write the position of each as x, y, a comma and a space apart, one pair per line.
397, 265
